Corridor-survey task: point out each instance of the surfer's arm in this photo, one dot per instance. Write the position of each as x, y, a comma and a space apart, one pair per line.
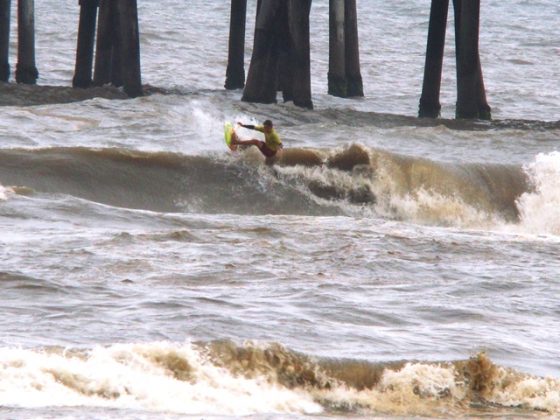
249, 126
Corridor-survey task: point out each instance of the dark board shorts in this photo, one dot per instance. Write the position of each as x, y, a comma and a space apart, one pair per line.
265, 150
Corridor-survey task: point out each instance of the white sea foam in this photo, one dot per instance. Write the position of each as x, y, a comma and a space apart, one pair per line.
429, 207
429, 389
540, 209
537, 393
181, 378
5, 193
393, 199
156, 376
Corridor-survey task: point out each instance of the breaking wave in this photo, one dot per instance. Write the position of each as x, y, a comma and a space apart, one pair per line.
5, 193
348, 180
222, 378
540, 208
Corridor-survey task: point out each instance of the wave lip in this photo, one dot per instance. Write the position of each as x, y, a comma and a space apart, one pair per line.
413, 189
342, 181
157, 181
540, 208
6, 193
153, 377
222, 378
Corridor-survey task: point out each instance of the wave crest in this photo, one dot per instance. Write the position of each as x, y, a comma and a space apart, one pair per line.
540, 208
222, 378
348, 180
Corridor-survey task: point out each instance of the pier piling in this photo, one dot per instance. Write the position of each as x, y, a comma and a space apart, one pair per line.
86, 39
116, 62
286, 63
129, 47
104, 44
337, 85
117, 58
280, 59
235, 72
430, 106
26, 70
262, 78
344, 76
353, 73
471, 95
4, 40
281, 51
299, 52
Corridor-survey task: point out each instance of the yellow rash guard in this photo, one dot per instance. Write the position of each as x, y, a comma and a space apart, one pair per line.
272, 140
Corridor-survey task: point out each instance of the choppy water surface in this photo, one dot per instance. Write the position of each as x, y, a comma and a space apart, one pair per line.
386, 267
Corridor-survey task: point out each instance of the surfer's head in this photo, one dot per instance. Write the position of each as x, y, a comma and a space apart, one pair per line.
267, 124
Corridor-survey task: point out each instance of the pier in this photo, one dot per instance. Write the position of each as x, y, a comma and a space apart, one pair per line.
4, 40
280, 60
108, 51
471, 95
116, 40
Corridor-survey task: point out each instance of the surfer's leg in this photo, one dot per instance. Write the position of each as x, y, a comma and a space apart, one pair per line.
235, 140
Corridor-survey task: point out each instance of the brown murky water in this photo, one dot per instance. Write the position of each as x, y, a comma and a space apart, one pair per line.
386, 267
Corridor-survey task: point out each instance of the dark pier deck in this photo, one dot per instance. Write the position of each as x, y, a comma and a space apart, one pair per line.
108, 51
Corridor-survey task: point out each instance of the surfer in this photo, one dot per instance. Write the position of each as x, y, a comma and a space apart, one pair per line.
271, 145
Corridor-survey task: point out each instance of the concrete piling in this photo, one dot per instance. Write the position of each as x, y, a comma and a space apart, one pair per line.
86, 39
116, 61
262, 78
129, 46
235, 72
337, 85
281, 53
471, 95
430, 106
4, 40
286, 60
353, 73
104, 44
344, 76
26, 70
299, 52
117, 58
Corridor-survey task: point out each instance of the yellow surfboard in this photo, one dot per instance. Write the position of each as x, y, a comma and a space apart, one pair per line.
228, 134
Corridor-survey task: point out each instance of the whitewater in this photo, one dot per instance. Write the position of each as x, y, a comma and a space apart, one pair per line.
385, 267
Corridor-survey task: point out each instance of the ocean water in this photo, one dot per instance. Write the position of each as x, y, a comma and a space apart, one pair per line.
386, 267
